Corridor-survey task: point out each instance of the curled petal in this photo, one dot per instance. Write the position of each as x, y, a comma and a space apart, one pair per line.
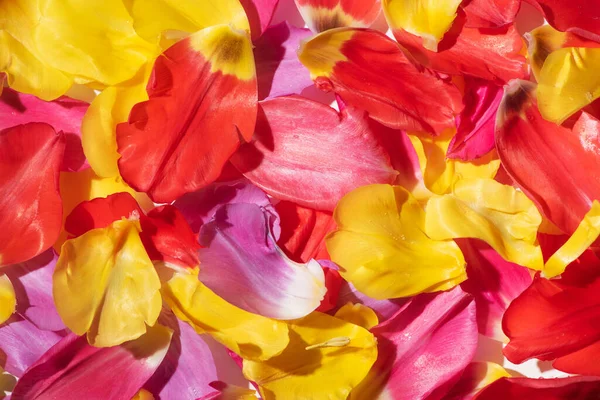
382, 248
8, 300
398, 94
294, 155
572, 388
321, 15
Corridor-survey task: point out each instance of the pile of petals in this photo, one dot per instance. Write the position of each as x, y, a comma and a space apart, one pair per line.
309, 199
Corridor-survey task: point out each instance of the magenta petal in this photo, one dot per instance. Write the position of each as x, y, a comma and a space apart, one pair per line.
73, 369
424, 348
241, 263
572, 388
476, 123
32, 281
279, 71
494, 283
259, 13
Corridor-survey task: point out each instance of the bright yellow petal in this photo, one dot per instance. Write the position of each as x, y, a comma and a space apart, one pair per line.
105, 285
429, 19
249, 335
381, 245
484, 209
325, 359
542, 42
568, 81
586, 233
358, 314
8, 301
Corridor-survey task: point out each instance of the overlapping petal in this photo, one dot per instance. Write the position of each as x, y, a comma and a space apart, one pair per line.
579, 16
8, 299
475, 377
321, 15
259, 13
490, 13
573, 388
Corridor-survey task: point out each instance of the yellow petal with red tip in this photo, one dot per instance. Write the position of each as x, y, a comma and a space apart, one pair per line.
586, 233
500, 215
249, 335
325, 359
429, 19
381, 246
568, 81
105, 285
8, 301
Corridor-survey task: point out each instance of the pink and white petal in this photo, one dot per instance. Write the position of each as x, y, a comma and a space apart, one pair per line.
494, 283
73, 369
259, 13
279, 71
241, 262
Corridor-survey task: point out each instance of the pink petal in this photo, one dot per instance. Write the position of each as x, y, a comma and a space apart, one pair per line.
259, 13
385, 309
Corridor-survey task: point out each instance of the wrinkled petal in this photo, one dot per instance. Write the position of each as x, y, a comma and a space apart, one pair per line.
484, 209
105, 285
491, 13
493, 282
550, 163
179, 140
30, 211
310, 366
423, 349
370, 71
8, 299
74, 369
279, 72
295, 154
249, 335
242, 264
575, 388
580, 16
321, 15
475, 377
259, 13
382, 249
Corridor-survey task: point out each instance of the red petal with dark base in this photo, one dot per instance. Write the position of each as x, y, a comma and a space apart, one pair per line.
31, 209
179, 140
550, 163
576, 15
491, 13
321, 15
296, 153
576, 388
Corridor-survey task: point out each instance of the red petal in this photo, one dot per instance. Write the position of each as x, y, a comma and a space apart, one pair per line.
179, 140
550, 163
321, 15
296, 153
575, 388
31, 208
574, 15
491, 13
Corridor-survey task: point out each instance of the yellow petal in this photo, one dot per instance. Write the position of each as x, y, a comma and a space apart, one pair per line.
105, 285
478, 375
568, 81
429, 19
325, 359
143, 394
249, 335
358, 314
586, 233
381, 245
542, 42
8, 301
484, 209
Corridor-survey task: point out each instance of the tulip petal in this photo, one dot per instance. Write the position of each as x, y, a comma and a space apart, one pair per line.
572, 388
550, 163
326, 358
484, 209
382, 248
8, 299
259, 13
384, 309
161, 151
475, 377
279, 72
30, 212
423, 349
343, 60
249, 335
74, 369
106, 286
321, 15
229, 392
300, 164
491, 13
242, 264
580, 16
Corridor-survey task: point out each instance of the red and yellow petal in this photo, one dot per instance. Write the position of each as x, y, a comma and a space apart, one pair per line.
321, 15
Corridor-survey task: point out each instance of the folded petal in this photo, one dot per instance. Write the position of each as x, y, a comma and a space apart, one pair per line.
423, 349
279, 72
491, 13
579, 16
74, 369
475, 132
398, 93
428, 19
8, 299
484, 209
382, 249
326, 358
293, 154
321, 15
202, 103
242, 264
550, 163
259, 13
106, 286
249, 335
30, 212
572, 388
493, 282
475, 377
